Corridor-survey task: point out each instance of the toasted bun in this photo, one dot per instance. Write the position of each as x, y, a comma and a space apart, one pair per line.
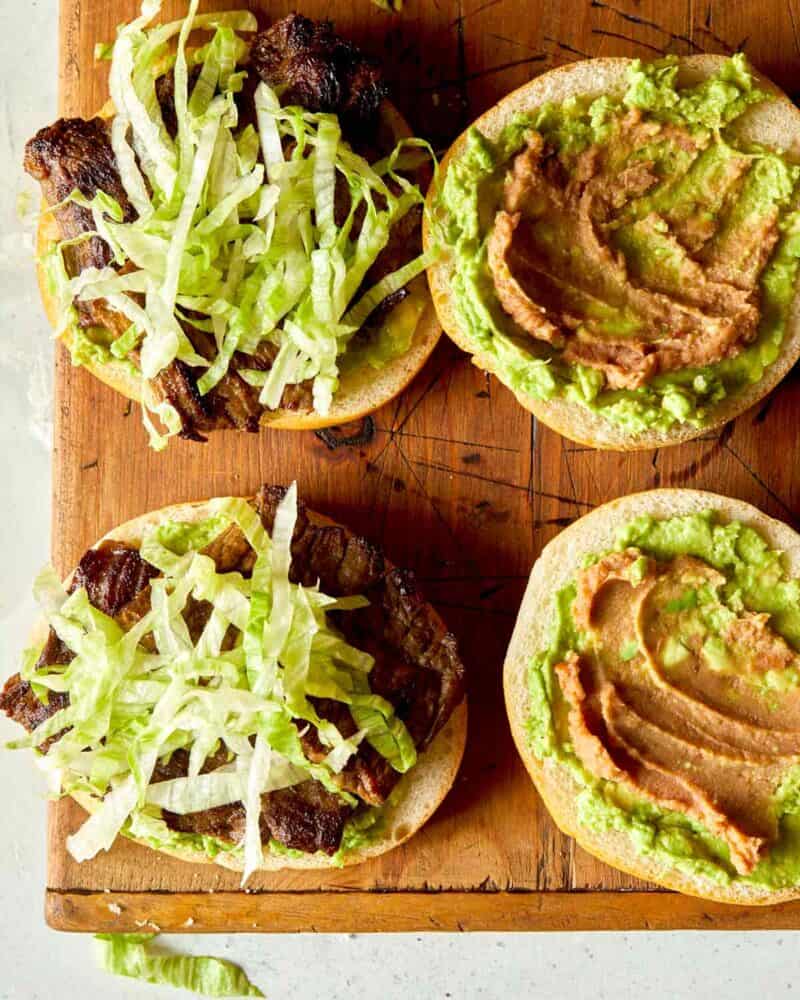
362, 390
418, 794
775, 124
555, 567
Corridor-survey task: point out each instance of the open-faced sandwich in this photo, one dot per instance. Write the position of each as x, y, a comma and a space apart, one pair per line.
621, 246
235, 239
242, 682
653, 688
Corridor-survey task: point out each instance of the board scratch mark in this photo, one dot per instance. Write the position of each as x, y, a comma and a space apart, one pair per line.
481, 74
794, 27
462, 61
423, 396
435, 467
434, 507
567, 48
513, 41
532, 459
471, 579
397, 428
646, 23
626, 38
655, 468
439, 467
761, 482
763, 411
549, 522
570, 475
473, 13
446, 440
482, 609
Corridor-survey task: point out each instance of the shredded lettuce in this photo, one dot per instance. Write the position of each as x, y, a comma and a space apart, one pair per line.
235, 683
129, 955
252, 251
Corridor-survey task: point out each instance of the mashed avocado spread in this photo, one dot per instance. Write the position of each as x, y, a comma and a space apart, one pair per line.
671, 691
629, 253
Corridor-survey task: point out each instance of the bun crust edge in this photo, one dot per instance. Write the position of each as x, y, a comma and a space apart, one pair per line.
556, 566
776, 123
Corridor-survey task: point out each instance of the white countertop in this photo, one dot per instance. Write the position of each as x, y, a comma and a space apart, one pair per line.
39, 963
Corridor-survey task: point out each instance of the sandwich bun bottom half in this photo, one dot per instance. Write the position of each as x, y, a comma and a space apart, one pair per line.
418, 794
362, 389
555, 568
772, 123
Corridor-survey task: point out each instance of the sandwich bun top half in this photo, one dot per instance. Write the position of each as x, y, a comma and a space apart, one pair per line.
775, 124
555, 568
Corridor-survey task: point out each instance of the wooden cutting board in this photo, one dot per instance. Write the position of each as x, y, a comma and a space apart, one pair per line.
454, 478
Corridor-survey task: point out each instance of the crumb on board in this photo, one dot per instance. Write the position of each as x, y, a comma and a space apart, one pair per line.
188, 922
148, 923
115, 908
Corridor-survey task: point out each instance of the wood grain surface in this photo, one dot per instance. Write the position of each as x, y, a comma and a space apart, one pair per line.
454, 478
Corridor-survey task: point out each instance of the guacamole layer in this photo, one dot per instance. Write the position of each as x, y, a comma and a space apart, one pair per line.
631, 254
670, 690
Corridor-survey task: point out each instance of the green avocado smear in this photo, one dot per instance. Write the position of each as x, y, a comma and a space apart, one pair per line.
693, 184
754, 581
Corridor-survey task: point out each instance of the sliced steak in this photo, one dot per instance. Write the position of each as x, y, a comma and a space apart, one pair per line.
417, 667
76, 154
305, 817
231, 551
367, 774
19, 702
165, 95
320, 71
232, 403
113, 574
177, 384
224, 822
71, 154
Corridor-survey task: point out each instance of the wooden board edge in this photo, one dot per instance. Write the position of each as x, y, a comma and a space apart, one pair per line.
360, 912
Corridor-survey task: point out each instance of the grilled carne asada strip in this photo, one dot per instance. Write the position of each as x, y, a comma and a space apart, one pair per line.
113, 575
416, 668
304, 817
75, 154
320, 71
317, 69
